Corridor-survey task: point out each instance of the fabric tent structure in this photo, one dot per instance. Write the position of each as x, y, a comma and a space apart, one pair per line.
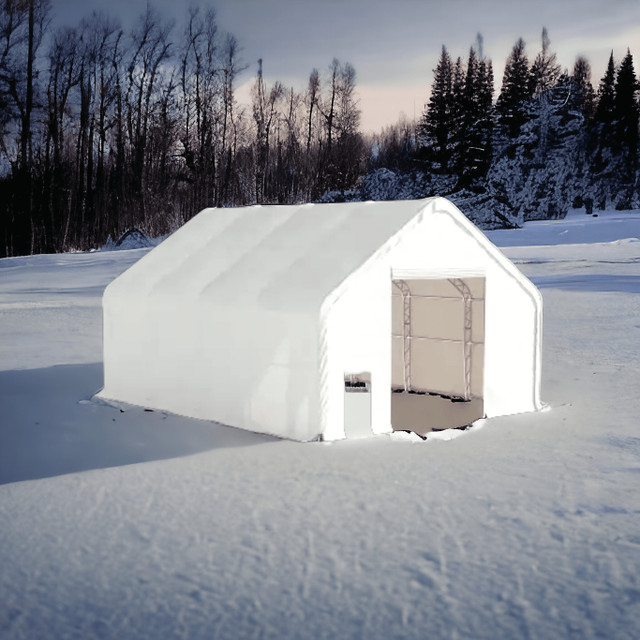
309, 322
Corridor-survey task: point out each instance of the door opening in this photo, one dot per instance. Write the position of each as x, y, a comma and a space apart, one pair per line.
437, 353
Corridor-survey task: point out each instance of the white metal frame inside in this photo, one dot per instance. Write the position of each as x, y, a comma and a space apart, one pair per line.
465, 292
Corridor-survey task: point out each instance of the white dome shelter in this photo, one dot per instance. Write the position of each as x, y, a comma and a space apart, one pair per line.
325, 321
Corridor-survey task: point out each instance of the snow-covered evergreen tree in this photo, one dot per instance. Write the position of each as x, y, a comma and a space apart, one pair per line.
549, 142
537, 176
606, 93
540, 180
545, 70
583, 96
614, 138
477, 121
456, 142
626, 128
515, 92
602, 140
436, 125
582, 100
625, 108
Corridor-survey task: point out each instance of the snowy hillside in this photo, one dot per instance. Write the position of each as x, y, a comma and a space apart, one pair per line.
143, 525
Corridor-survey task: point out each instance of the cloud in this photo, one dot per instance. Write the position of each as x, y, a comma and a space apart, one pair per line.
394, 44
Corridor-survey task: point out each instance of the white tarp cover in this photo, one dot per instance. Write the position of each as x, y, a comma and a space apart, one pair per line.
253, 316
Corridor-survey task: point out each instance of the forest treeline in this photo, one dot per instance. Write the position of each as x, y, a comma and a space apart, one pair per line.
104, 129
549, 141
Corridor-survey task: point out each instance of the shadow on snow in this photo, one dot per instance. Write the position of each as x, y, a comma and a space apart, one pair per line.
46, 430
590, 282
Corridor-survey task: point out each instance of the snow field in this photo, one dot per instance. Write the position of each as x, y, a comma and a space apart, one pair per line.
145, 525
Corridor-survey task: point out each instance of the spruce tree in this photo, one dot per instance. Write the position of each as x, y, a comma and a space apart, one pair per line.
606, 93
515, 92
437, 120
466, 97
625, 108
457, 117
582, 100
541, 179
476, 130
583, 96
545, 70
602, 141
537, 175
486, 119
471, 82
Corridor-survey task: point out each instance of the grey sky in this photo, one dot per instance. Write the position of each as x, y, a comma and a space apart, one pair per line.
395, 44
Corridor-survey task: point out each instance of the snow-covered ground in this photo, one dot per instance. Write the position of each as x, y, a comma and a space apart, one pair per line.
144, 525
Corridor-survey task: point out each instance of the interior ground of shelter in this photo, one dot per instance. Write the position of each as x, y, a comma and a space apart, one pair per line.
422, 413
